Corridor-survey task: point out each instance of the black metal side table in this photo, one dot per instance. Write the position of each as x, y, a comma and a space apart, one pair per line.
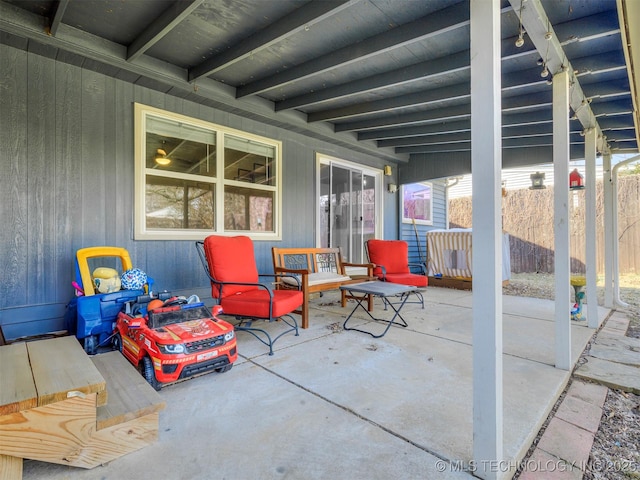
383, 290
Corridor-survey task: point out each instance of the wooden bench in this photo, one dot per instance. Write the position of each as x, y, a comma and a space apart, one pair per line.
59, 405
319, 270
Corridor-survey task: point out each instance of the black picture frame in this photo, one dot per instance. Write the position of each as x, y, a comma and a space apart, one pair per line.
245, 175
259, 173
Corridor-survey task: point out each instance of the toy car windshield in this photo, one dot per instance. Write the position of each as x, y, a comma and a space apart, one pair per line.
165, 316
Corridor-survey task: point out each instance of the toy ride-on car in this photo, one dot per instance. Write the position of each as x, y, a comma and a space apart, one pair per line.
172, 340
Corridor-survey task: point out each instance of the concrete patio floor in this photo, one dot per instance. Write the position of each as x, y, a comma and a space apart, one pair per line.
341, 404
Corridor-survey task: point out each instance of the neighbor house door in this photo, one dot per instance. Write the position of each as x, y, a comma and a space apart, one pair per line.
349, 207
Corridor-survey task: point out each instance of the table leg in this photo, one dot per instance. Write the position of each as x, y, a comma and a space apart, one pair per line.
359, 301
401, 323
404, 297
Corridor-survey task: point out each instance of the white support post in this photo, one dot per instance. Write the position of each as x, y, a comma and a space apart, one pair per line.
609, 237
590, 227
561, 218
616, 240
486, 164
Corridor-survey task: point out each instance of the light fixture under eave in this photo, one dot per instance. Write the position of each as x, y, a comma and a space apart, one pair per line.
161, 157
537, 181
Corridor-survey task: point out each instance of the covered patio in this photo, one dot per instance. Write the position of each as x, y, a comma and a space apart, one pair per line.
433, 89
341, 404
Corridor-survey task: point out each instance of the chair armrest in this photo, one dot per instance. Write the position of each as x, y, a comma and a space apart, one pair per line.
368, 266
289, 273
382, 269
266, 286
423, 270
293, 272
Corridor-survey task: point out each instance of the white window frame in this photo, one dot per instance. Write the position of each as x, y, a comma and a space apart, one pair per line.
418, 221
141, 232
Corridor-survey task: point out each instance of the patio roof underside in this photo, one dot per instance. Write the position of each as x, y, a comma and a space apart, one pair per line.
384, 77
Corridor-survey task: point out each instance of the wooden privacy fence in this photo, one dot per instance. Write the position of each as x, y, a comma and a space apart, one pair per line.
527, 216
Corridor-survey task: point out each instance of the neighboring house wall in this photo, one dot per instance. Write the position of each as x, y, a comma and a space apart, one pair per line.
66, 157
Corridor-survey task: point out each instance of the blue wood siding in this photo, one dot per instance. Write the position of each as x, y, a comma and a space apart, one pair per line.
66, 157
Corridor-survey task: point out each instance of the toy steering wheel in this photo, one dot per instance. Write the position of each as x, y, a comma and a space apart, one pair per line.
175, 301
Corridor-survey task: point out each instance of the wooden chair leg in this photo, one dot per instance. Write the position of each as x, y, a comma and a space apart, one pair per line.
305, 309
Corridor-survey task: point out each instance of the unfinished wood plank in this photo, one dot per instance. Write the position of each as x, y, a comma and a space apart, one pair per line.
113, 442
450, 282
59, 366
455, 283
10, 468
51, 433
130, 395
18, 390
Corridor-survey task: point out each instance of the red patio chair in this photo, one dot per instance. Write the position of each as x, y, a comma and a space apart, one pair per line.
391, 264
231, 267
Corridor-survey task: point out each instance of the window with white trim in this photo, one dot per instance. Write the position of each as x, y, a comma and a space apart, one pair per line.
195, 178
417, 203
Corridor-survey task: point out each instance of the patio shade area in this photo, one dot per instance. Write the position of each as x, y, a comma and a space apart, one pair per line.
341, 404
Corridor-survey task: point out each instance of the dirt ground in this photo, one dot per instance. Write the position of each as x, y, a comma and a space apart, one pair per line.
616, 448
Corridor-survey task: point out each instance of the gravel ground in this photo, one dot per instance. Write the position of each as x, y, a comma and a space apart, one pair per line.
616, 448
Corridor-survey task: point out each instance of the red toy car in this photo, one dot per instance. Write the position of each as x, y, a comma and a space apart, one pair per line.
175, 340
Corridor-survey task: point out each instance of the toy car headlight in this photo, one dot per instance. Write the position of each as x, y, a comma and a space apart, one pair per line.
229, 336
172, 349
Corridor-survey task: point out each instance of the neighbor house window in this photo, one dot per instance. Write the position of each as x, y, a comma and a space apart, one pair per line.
194, 178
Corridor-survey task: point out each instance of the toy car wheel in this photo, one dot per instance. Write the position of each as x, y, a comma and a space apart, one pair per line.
226, 368
148, 373
116, 343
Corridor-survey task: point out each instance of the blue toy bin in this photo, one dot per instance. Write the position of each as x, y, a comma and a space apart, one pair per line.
97, 316
95, 313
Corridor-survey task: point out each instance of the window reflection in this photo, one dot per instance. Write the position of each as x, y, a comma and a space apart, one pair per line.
179, 204
248, 209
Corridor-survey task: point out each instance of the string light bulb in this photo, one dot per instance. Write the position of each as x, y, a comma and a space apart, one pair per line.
520, 40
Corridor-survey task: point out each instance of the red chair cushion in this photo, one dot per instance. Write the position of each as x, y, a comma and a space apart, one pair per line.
393, 255
231, 259
255, 303
410, 279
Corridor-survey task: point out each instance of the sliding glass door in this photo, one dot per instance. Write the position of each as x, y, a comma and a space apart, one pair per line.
349, 207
